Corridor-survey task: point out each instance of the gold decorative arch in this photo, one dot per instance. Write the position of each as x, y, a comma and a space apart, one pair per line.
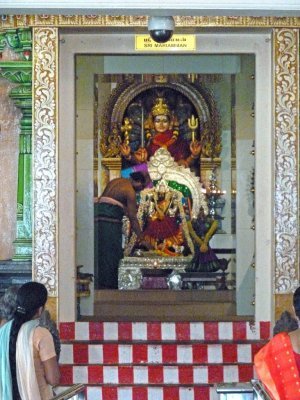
195, 94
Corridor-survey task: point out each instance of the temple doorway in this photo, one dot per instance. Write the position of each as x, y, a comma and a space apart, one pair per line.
229, 174
225, 85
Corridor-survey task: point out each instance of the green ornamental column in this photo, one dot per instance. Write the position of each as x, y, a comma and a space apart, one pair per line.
20, 72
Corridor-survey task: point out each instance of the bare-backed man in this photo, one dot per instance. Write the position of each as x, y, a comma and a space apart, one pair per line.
117, 200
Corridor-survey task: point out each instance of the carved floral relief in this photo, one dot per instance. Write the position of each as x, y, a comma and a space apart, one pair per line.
286, 216
44, 161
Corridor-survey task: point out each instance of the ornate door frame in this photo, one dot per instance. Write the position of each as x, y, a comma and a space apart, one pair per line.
285, 118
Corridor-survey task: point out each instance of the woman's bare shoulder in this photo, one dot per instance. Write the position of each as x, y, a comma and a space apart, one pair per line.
295, 333
295, 340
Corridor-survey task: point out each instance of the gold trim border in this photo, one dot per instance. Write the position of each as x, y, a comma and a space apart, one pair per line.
123, 21
286, 109
45, 106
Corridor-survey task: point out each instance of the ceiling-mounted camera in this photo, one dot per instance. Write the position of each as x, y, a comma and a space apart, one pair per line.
161, 28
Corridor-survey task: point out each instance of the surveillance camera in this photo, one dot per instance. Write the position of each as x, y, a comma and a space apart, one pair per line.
161, 28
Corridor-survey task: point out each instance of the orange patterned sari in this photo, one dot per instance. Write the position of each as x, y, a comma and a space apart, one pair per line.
276, 367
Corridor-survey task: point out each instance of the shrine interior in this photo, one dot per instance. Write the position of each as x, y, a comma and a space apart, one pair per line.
225, 86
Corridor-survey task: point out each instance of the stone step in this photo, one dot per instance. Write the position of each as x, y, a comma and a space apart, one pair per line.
174, 332
164, 305
164, 312
165, 296
155, 374
146, 392
153, 353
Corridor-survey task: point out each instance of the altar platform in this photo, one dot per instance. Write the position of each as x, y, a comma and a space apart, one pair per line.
173, 273
131, 269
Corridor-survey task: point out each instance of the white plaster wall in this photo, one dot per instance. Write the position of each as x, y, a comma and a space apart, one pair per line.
85, 72
85, 216
245, 162
245, 235
156, 7
226, 180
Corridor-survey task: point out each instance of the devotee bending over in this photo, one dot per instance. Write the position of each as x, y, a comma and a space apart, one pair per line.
117, 200
277, 364
28, 360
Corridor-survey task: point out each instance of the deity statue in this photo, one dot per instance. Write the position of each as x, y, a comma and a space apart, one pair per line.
163, 221
201, 230
161, 131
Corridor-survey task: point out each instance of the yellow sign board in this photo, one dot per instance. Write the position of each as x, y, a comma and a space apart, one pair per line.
176, 43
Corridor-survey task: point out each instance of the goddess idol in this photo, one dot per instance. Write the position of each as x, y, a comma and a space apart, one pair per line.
161, 131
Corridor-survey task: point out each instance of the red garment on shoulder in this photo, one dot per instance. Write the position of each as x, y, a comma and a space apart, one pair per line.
276, 367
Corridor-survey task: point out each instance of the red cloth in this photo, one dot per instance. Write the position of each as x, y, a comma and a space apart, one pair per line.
162, 229
179, 149
276, 367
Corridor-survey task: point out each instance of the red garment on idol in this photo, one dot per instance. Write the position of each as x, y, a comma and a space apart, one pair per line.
162, 229
276, 367
178, 147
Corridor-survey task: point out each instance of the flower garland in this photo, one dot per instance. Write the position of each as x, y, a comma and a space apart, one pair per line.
146, 196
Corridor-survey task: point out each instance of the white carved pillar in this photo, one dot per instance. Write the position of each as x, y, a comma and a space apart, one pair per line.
45, 54
286, 217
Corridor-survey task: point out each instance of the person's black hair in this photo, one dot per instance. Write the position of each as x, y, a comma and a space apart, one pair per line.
138, 177
296, 301
30, 297
286, 323
8, 303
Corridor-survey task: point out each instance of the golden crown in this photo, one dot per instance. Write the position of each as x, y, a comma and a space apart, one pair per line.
160, 108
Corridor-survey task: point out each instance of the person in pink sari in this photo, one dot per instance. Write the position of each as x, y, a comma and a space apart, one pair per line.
28, 361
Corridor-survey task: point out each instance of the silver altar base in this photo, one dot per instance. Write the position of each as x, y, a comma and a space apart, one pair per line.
130, 268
